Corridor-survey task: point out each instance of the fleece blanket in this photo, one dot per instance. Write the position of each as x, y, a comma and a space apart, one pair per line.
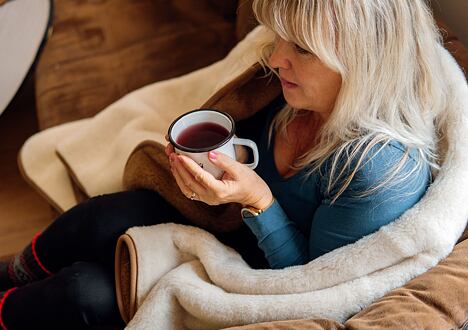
190, 280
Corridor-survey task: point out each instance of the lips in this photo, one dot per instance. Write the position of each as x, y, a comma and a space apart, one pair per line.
287, 83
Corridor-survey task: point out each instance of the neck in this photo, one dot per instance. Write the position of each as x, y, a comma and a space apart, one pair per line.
311, 119
303, 130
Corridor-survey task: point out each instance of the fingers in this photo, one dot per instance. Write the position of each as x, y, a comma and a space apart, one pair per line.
187, 178
186, 183
169, 149
229, 165
180, 182
201, 176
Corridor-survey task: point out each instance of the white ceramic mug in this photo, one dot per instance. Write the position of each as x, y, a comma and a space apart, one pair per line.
226, 146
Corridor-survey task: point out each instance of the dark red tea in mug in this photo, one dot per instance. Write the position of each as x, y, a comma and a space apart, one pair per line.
202, 135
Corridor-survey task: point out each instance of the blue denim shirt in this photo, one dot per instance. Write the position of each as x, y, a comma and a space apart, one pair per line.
303, 224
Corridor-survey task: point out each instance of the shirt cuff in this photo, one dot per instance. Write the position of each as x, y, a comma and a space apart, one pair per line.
272, 219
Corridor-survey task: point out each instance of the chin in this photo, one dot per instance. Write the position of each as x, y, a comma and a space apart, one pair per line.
293, 102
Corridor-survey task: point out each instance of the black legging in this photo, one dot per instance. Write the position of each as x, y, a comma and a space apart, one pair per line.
79, 249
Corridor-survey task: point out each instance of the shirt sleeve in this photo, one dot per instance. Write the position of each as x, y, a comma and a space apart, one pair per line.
278, 237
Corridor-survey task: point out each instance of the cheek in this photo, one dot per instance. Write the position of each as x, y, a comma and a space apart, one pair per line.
308, 80
318, 86
311, 88
321, 84
317, 94
309, 91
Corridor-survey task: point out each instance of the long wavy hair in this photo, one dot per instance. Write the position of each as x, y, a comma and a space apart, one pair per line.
387, 53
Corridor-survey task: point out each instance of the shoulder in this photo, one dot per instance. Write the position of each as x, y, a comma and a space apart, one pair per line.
386, 170
382, 160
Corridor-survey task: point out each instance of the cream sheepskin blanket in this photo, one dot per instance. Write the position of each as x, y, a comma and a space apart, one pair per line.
189, 279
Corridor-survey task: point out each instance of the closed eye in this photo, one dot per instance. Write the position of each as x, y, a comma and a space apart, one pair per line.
300, 50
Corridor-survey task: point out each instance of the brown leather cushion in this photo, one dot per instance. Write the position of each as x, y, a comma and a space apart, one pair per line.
318, 324
437, 299
226, 7
245, 19
460, 53
456, 48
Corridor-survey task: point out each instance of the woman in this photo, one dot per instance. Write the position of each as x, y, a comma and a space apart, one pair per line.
346, 149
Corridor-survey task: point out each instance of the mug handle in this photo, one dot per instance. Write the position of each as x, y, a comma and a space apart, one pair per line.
252, 145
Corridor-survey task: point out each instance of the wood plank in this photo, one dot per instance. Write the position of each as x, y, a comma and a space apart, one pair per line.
22, 211
100, 51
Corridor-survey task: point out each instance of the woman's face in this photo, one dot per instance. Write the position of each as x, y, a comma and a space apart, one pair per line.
307, 83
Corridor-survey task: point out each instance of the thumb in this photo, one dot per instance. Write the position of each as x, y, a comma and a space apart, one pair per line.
225, 162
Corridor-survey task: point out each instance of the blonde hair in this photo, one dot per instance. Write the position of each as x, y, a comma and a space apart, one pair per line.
393, 88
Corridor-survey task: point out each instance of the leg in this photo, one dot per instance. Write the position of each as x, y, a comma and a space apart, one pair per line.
79, 296
88, 232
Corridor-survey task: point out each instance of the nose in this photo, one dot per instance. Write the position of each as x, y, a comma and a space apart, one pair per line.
279, 58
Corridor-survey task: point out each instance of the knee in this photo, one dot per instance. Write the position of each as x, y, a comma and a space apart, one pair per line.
107, 216
117, 208
89, 290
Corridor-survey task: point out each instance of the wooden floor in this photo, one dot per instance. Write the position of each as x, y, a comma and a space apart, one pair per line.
22, 211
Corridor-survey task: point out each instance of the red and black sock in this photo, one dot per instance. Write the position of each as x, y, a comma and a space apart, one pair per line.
3, 297
23, 268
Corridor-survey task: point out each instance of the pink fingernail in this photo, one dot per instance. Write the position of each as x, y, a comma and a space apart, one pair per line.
213, 154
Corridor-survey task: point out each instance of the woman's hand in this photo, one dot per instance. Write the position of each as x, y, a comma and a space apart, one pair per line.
239, 183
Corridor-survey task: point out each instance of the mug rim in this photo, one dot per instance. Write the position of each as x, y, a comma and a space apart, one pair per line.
205, 149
